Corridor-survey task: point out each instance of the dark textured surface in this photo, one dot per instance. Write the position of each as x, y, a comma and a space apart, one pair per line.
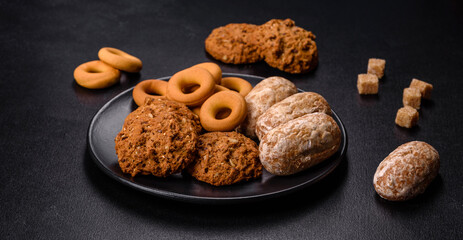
51, 189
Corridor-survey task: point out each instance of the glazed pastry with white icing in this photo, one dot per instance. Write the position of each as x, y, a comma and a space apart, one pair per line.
407, 171
299, 144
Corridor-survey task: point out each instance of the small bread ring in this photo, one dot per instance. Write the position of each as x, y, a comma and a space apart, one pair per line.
96, 74
120, 59
186, 79
196, 110
218, 88
147, 88
238, 84
213, 69
220, 102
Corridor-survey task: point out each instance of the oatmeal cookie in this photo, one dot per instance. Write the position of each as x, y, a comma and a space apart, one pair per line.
288, 47
225, 158
234, 43
158, 138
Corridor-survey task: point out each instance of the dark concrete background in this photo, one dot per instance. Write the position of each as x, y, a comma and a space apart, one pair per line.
50, 188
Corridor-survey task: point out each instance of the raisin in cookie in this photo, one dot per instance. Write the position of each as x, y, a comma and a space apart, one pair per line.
225, 158
234, 43
158, 138
288, 47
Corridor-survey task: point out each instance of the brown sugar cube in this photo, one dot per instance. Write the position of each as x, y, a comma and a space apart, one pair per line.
407, 117
424, 87
376, 66
367, 84
412, 98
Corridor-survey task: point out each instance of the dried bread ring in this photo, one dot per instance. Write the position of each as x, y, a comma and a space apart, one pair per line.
196, 110
96, 74
186, 79
213, 69
120, 59
148, 88
218, 88
221, 102
240, 85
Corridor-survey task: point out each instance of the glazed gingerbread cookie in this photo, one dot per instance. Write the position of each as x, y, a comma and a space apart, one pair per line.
225, 158
157, 138
234, 43
288, 47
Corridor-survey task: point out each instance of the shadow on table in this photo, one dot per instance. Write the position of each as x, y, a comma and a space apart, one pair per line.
246, 215
368, 100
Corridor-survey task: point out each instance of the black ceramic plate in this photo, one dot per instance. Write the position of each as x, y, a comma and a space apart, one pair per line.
108, 121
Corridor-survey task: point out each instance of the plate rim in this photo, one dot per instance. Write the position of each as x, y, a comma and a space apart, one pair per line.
199, 199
